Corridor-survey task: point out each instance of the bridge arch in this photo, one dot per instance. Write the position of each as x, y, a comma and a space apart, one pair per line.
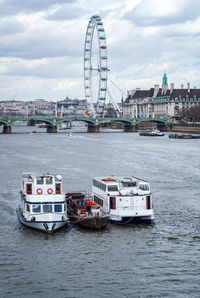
3, 122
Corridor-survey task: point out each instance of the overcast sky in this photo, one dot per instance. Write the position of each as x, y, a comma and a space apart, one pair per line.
42, 45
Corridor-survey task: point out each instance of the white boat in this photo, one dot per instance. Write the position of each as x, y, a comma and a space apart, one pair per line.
125, 199
42, 205
152, 133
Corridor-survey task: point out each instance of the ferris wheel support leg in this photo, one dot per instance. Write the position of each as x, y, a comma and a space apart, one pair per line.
93, 128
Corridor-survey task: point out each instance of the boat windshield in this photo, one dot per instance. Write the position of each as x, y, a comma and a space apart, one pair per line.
47, 208
40, 180
49, 180
58, 208
129, 184
36, 208
144, 186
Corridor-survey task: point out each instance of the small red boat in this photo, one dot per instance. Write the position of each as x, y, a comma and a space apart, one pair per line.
42, 125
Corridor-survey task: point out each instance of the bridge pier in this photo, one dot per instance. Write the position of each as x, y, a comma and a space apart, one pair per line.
52, 129
7, 129
129, 128
93, 128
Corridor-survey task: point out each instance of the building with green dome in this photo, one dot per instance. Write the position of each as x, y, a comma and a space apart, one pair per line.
159, 101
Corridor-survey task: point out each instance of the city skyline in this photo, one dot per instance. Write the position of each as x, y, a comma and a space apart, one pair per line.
42, 45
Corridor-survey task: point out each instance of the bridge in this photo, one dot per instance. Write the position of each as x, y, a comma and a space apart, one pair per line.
93, 124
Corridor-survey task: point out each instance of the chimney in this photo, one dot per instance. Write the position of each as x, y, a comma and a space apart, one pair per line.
195, 87
171, 88
156, 89
188, 86
181, 86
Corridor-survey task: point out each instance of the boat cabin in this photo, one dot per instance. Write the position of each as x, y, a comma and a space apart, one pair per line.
122, 196
45, 184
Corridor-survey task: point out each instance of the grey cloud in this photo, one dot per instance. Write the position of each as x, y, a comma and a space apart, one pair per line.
67, 11
74, 11
63, 67
42, 42
10, 26
140, 16
11, 7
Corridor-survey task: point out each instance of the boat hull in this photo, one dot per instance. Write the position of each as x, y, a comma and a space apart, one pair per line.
151, 135
93, 222
134, 220
90, 222
48, 227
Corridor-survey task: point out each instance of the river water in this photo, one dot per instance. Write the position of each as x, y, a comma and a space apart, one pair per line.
160, 260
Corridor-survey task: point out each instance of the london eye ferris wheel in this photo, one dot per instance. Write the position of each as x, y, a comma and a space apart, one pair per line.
96, 106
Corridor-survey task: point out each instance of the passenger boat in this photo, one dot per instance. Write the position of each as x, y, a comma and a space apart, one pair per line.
42, 205
83, 211
152, 133
125, 199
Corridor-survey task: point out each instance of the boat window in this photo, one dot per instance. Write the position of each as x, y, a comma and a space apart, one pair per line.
100, 185
40, 180
112, 188
47, 208
58, 208
144, 187
98, 200
49, 180
36, 208
58, 188
29, 189
27, 207
129, 184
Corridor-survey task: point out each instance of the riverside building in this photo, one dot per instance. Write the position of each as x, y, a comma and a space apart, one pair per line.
166, 102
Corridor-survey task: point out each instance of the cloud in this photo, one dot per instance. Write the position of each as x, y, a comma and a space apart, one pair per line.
10, 26
12, 7
153, 12
41, 38
42, 43
59, 67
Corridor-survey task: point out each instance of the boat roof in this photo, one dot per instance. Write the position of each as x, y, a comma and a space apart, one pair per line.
113, 179
36, 175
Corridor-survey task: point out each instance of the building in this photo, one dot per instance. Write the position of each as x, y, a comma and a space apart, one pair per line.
39, 107
160, 102
71, 107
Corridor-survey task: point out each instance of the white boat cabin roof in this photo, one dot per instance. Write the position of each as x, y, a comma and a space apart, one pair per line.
119, 179
31, 176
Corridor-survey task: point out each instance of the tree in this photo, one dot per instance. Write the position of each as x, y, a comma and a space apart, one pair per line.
192, 114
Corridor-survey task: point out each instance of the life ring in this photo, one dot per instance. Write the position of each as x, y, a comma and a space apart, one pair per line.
50, 191
39, 191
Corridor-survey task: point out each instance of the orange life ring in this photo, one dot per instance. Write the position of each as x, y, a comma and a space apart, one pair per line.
39, 191
50, 191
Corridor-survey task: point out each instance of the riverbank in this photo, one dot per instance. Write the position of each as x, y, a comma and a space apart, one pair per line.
184, 129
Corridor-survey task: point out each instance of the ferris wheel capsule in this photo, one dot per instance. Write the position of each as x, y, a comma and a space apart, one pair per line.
95, 23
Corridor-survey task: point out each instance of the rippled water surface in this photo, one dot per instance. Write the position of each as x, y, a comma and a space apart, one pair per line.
160, 260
